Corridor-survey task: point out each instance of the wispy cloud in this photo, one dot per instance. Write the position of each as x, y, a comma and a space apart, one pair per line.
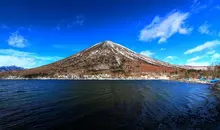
215, 57
57, 27
28, 28
163, 49
17, 40
170, 58
204, 28
61, 24
4, 26
164, 28
147, 53
194, 59
206, 45
205, 59
210, 52
217, 7
197, 6
80, 19
24, 59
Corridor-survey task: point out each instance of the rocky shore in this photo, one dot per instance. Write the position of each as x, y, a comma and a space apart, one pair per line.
195, 81
107, 77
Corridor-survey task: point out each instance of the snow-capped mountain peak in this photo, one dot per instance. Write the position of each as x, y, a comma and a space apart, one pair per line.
106, 57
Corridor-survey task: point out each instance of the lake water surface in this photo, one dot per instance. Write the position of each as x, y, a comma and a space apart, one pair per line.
134, 105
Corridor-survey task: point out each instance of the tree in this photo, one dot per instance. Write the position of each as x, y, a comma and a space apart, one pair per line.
217, 70
214, 70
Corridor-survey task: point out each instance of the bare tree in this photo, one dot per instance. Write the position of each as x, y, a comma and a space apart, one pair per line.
217, 70
214, 70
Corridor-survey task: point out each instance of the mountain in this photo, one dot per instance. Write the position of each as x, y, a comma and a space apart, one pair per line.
106, 57
10, 68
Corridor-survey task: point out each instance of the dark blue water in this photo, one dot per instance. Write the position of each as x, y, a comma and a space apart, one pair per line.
135, 105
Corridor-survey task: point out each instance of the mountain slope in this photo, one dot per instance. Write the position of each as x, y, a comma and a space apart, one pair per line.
103, 58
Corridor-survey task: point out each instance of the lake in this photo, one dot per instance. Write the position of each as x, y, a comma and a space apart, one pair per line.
133, 105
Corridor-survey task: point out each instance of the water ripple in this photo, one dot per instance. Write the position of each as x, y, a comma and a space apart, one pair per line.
34, 104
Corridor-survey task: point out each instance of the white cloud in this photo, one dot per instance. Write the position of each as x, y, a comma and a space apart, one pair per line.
147, 53
14, 52
198, 64
210, 52
215, 57
204, 29
7, 60
202, 47
24, 59
194, 59
17, 40
210, 56
163, 28
169, 58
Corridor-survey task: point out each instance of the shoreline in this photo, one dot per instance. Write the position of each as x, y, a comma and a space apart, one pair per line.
195, 81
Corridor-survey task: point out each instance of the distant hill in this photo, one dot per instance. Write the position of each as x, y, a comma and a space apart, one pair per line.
10, 68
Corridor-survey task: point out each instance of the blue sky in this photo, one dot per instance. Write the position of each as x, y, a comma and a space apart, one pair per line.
35, 33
